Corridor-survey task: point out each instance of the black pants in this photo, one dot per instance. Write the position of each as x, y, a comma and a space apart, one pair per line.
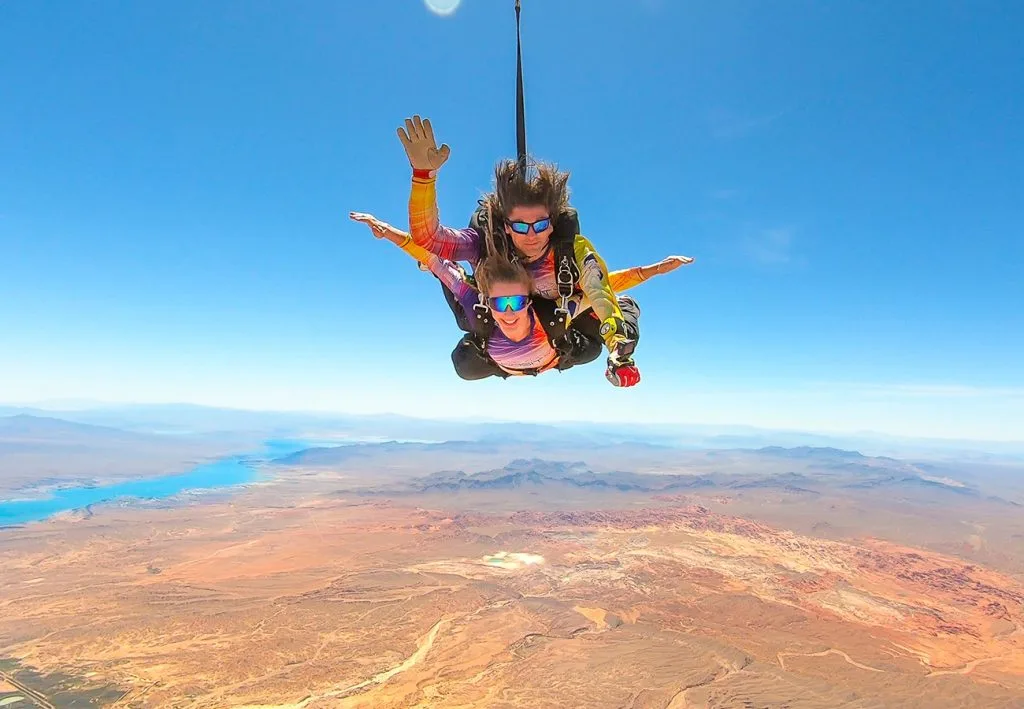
472, 364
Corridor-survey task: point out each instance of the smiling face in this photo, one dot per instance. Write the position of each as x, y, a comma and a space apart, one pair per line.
532, 244
514, 324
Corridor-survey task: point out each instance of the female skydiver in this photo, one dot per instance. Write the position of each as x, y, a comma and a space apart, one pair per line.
541, 231
522, 350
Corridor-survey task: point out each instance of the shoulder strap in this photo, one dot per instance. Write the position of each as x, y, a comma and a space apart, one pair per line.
569, 344
567, 272
482, 323
478, 221
457, 310
547, 312
567, 224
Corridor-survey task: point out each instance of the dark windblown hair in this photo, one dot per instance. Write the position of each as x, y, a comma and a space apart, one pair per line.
517, 184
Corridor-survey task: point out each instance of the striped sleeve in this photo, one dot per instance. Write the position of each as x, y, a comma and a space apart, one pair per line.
428, 232
451, 278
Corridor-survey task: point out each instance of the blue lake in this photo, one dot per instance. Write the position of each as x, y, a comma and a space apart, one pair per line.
235, 470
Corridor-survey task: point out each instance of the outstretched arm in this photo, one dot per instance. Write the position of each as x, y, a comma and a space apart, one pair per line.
631, 277
447, 272
401, 239
454, 279
424, 222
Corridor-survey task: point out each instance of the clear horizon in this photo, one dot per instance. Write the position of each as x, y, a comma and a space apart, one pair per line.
176, 180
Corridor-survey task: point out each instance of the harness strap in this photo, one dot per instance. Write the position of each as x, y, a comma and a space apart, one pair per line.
565, 279
482, 324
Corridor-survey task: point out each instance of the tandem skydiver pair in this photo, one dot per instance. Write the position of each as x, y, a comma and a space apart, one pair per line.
538, 296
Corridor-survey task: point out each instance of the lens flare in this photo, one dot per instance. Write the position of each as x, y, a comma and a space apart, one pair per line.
442, 7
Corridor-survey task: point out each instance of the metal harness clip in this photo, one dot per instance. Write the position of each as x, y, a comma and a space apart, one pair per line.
565, 281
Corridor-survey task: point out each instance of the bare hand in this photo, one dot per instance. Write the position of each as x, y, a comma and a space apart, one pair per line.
418, 140
667, 265
380, 229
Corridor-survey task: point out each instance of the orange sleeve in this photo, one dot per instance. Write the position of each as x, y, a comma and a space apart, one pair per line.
626, 278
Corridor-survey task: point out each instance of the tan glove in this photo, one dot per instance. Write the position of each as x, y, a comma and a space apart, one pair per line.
418, 140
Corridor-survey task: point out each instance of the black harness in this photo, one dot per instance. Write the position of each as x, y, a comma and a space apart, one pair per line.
554, 317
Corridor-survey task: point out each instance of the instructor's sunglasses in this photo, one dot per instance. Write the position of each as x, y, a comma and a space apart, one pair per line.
524, 227
515, 303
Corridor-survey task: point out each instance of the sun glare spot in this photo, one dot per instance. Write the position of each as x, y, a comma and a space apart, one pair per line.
442, 7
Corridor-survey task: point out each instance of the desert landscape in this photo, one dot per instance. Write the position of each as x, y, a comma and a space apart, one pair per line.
356, 582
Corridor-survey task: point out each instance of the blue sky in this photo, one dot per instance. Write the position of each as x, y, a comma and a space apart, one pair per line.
175, 180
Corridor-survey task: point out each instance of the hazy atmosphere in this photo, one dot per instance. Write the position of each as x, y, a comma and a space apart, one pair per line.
320, 388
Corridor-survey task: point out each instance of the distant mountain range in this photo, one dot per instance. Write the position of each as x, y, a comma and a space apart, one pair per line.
44, 429
188, 418
33, 446
801, 469
523, 473
42, 450
808, 452
823, 457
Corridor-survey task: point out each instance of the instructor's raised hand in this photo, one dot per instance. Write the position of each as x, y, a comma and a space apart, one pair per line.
418, 140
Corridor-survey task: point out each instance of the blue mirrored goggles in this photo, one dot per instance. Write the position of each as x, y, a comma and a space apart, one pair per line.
524, 227
503, 303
